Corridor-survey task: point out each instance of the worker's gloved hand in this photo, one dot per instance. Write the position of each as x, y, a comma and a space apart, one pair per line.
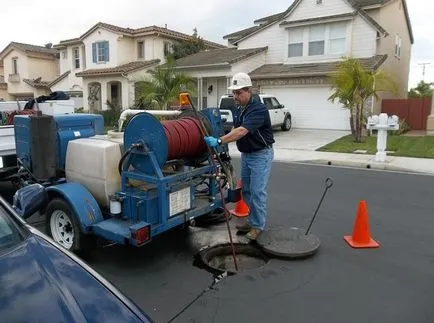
211, 141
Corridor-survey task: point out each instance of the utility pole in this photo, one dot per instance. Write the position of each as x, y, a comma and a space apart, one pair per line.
423, 69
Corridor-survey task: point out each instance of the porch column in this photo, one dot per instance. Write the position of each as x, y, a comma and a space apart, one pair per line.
85, 95
125, 93
430, 120
199, 93
103, 96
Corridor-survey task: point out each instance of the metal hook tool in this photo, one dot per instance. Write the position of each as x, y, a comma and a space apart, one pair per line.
328, 185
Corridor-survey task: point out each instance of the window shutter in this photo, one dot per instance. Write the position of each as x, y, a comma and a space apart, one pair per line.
107, 56
94, 52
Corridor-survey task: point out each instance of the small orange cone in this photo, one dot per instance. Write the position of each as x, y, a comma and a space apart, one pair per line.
241, 209
361, 237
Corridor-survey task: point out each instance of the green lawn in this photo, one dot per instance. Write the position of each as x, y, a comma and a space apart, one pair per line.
406, 146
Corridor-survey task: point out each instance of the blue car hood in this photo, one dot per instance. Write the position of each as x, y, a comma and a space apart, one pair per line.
39, 283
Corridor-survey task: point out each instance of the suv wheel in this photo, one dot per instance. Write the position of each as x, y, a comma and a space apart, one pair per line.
287, 123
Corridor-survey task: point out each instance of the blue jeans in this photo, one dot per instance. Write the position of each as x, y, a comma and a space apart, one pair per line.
255, 172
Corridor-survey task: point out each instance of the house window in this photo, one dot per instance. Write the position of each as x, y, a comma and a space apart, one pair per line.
76, 57
64, 54
167, 48
100, 52
295, 46
337, 38
15, 65
318, 1
316, 40
141, 49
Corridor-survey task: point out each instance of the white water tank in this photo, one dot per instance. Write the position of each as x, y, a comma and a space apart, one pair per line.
93, 163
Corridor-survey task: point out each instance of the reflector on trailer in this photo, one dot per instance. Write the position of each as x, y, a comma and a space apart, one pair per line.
141, 235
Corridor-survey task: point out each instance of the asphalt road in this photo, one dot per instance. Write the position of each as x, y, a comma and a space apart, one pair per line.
394, 283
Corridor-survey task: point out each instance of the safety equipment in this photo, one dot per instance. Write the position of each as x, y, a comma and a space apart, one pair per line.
240, 81
211, 141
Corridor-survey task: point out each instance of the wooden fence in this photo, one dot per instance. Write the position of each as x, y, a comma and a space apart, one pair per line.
414, 111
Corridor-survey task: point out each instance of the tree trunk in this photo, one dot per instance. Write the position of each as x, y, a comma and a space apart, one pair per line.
359, 114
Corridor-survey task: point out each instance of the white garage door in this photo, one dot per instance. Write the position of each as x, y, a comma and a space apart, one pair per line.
310, 108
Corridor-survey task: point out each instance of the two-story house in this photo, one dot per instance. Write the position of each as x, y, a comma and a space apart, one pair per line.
292, 53
4, 95
26, 70
107, 61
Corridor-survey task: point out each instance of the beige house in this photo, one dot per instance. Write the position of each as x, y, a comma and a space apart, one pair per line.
105, 63
4, 95
290, 55
26, 71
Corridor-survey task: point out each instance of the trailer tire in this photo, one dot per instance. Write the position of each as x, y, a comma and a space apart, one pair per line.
64, 228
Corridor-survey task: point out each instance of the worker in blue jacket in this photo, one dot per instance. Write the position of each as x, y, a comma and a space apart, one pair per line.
254, 138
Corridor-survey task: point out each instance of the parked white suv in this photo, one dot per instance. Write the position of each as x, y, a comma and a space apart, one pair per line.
279, 115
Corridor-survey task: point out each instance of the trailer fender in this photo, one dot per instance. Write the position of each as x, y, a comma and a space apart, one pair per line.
81, 201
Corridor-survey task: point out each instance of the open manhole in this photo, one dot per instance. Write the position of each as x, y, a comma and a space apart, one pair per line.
219, 259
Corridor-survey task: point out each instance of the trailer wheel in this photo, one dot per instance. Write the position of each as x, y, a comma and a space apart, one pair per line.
63, 226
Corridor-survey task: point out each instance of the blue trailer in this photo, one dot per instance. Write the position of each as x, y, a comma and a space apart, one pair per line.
156, 175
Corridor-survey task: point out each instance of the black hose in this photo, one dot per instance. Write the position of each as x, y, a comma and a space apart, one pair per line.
121, 161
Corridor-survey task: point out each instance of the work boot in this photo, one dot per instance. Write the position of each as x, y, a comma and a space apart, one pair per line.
243, 228
253, 234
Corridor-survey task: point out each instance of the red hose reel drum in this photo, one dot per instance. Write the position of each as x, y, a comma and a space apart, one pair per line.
181, 138
184, 137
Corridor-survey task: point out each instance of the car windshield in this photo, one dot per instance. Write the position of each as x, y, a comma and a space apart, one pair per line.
227, 103
9, 234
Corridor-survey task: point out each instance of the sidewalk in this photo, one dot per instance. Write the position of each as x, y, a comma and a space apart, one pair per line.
404, 164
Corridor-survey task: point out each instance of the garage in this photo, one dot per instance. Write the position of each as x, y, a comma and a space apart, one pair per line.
310, 108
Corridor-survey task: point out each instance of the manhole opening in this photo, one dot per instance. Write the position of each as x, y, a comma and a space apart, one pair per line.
219, 259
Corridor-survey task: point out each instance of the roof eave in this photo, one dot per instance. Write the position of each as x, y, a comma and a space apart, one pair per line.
285, 75
84, 74
225, 64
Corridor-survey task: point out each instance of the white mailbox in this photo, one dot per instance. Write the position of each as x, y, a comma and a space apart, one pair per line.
382, 123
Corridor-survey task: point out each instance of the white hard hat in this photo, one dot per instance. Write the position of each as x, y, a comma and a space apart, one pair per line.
240, 81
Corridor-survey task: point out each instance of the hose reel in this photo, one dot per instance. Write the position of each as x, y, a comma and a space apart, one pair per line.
168, 140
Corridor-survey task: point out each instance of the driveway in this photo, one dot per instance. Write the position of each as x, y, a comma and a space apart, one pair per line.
301, 139
306, 139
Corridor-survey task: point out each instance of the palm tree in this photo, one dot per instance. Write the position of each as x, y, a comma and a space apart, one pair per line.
353, 86
163, 87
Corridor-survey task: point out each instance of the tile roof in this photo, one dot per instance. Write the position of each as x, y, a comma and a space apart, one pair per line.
37, 83
28, 48
224, 56
137, 32
298, 70
357, 5
366, 3
293, 22
59, 78
121, 69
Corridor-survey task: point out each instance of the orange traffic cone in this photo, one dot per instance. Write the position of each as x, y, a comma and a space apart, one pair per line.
241, 209
361, 237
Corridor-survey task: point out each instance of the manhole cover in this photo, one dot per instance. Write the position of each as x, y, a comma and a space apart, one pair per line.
219, 258
288, 242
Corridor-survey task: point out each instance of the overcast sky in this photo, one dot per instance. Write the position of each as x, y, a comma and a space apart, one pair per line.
39, 22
